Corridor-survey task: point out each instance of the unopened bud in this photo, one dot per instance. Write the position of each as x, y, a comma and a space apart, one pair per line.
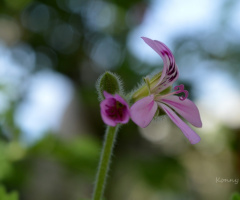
110, 83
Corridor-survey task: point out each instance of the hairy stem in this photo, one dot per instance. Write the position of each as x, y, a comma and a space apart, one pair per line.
104, 162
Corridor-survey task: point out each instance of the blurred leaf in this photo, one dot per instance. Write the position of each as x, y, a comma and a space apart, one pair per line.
79, 154
15, 151
11, 155
235, 196
5, 164
164, 173
17, 4
7, 196
11, 129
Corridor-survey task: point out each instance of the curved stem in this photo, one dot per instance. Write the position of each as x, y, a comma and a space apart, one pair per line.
104, 162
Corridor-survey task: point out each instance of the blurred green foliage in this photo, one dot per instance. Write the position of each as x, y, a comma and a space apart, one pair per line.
7, 196
79, 155
235, 196
170, 173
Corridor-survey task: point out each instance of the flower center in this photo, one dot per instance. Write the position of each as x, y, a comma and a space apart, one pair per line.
116, 110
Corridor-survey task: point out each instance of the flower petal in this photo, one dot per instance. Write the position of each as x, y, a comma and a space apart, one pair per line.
170, 69
187, 131
105, 117
186, 109
143, 111
120, 99
107, 95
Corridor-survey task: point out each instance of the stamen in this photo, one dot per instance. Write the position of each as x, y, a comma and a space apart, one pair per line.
147, 81
180, 89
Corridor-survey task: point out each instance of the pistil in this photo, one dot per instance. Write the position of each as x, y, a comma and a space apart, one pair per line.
180, 89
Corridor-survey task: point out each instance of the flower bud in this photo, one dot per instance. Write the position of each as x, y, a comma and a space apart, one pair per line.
110, 83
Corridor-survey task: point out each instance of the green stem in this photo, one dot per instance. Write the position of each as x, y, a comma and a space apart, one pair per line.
104, 162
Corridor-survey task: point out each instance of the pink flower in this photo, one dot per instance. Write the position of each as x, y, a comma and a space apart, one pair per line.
143, 111
114, 109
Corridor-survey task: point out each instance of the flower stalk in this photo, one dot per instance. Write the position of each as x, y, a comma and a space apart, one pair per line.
105, 159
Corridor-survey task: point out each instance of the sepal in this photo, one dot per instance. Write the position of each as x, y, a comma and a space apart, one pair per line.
110, 83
